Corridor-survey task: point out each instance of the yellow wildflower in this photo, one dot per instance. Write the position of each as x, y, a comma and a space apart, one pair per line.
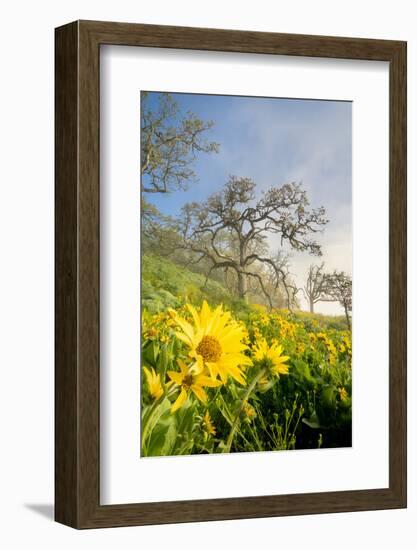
151, 332
248, 410
271, 356
300, 348
343, 394
154, 383
189, 381
215, 341
208, 424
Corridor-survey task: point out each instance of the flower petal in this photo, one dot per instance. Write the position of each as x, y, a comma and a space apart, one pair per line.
148, 375
202, 380
175, 376
181, 399
183, 367
199, 393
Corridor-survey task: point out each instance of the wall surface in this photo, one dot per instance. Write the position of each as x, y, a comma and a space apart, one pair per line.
26, 274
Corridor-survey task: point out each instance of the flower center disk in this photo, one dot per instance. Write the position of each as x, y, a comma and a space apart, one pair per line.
188, 381
210, 349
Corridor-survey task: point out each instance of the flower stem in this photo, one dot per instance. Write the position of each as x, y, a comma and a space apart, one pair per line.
246, 396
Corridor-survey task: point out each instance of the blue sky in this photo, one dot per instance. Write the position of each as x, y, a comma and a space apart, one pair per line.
274, 141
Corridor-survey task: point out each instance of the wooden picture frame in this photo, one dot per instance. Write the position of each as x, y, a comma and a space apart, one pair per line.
77, 374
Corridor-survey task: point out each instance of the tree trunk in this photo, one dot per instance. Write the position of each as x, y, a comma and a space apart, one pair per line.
242, 287
347, 318
311, 305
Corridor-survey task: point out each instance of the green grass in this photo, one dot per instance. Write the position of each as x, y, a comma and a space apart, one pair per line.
166, 284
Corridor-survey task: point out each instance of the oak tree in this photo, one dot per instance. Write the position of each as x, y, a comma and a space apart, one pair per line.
340, 288
170, 141
234, 228
317, 287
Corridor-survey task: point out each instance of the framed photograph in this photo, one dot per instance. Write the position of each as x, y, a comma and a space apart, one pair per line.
230, 274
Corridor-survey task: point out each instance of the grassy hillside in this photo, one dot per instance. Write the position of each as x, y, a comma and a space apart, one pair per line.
166, 284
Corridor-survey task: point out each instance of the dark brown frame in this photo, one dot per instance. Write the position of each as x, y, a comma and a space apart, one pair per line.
77, 373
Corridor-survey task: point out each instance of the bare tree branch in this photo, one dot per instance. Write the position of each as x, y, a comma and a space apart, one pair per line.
231, 229
340, 288
170, 142
317, 287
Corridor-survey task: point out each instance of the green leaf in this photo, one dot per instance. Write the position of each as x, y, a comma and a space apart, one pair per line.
328, 396
346, 404
150, 353
184, 418
163, 361
151, 416
303, 370
313, 421
162, 438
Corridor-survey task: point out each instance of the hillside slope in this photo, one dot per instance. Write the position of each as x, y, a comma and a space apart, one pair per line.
166, 284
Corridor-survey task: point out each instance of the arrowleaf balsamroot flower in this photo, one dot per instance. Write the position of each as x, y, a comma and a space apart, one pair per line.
343, 394
215, 341
154, 382
208, 424
189, 381
248, 411
270, 356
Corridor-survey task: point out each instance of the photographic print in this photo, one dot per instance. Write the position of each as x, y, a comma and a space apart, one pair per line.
246, 274
204, 199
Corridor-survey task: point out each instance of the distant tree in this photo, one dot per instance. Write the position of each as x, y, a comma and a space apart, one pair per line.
170, 141
236, 215
283, 291
340, 288
158, 231
278, 293
317, 286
